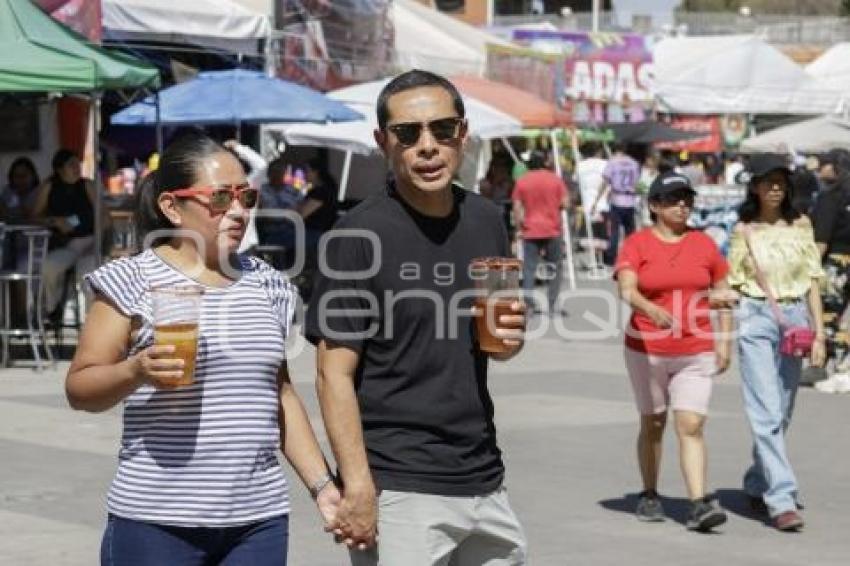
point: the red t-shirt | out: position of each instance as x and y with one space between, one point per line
541 193
676 277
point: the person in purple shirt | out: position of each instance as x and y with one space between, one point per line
618 185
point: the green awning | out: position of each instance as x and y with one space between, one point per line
38 54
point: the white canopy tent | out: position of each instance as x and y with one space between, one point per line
817 135
221 24
735 74
428 39
832 68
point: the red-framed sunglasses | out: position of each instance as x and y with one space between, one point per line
221 197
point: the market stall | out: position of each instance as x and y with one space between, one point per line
40 55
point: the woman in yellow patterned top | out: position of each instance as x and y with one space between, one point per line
782 242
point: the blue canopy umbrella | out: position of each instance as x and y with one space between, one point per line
235 96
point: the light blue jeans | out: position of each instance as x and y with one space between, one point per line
770 383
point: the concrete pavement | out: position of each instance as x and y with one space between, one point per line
566 423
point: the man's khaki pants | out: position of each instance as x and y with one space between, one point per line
416 529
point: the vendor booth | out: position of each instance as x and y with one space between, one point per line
38 56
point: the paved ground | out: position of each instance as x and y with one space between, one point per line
566 423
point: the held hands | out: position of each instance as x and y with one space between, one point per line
158 366
353 519
328 501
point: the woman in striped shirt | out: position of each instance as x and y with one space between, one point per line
198 479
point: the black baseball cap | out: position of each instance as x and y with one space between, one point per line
669 182
763 163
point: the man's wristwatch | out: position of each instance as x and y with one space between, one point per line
320 484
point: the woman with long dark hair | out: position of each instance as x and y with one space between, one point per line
775 267
198 478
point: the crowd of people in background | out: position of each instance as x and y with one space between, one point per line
607 189
791 240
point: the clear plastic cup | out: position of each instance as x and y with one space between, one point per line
176 314
497 280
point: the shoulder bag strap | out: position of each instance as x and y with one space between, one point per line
761 279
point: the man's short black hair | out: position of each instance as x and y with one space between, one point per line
410 80
537 159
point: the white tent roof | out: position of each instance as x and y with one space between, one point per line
735 74
817 135
832 68
428 39
214 23
485 122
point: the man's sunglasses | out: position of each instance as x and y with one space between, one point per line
674 198
444 130
220 198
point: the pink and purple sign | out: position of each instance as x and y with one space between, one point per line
606 67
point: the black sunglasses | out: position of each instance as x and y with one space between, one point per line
674 198
444 130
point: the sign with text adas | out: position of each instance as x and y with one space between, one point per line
598 66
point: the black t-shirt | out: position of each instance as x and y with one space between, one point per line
805 186
832 219
422 381
324 217
72 200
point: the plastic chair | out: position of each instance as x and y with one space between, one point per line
31 276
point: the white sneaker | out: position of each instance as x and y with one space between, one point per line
831 384
842 384
836 383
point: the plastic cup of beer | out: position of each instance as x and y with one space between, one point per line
176 312
497 282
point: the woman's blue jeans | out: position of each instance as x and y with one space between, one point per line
135 543
770 383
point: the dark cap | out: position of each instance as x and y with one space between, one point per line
669 182
763 163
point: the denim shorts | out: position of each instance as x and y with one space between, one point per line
135 543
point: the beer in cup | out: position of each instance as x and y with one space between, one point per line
176 313
497 281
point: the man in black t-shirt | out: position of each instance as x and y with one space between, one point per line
402 382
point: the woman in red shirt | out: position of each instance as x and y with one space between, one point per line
666 272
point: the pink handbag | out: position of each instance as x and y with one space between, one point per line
796 341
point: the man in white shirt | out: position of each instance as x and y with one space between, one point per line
589 175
